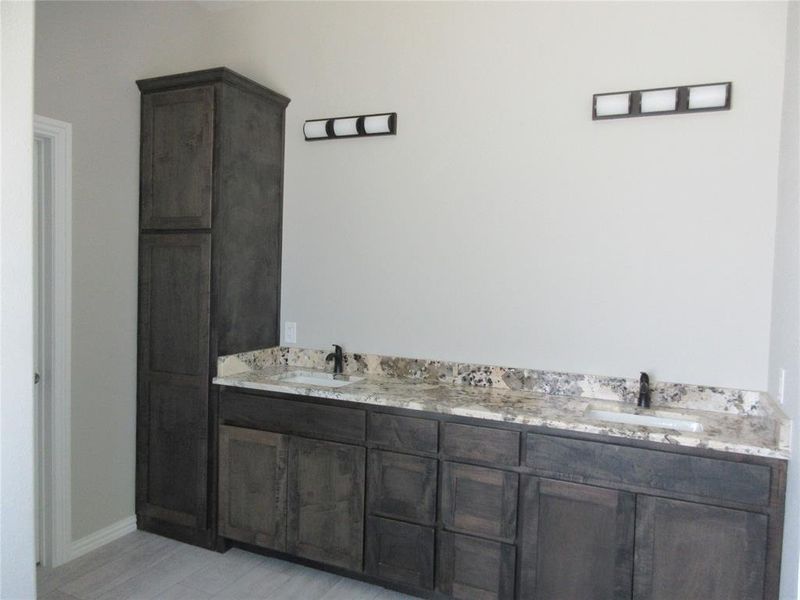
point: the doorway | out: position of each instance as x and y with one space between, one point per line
52 338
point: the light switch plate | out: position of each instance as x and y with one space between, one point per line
290 335
781 385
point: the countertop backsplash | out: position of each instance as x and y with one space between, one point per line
553 383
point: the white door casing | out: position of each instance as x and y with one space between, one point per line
55 177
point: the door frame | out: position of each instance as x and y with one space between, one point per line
55 425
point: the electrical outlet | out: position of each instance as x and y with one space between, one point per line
781 385
290 336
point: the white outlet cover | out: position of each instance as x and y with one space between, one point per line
290 334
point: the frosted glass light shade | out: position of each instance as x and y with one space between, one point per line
708 96
377 124
347 126
350 127
608 105
659 100
315 129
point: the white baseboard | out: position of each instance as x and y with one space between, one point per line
103 536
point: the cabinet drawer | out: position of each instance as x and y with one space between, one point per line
408 434
497 446
469 568
400 552
609 464
479 501
292 416
402 486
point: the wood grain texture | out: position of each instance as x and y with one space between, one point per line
470 568
402 486
176 159
172 404
698 552
484 444
248 220
400 552
212 164
479 501
326 502
407 434
252 486
576 541
291 416
615 465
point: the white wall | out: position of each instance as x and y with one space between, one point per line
502 225
785 335
17 553
88 56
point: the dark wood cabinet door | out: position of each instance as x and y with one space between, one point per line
400 552
471 568
479 501
172 451
177 159
402 486
174 296
576 541
173 411
252 486
698 552
326 502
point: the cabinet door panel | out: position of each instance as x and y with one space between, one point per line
174 289
400 552
252 484
177 159
172 417
326 502
402 486
479 501
470 568
698 552
172 450
576 541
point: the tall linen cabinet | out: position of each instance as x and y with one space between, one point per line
211 198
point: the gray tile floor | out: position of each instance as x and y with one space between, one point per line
146 566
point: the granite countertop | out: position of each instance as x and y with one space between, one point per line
764 432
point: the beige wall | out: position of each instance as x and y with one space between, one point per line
785 337
502 225
88 56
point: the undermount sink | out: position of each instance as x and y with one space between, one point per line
659 419
317 378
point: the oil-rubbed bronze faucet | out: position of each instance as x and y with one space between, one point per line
336 357
644 391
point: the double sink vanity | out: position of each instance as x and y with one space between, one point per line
441 481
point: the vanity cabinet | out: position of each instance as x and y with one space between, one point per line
408 499
471 568
576 541
252 483
400 552
698 552
211 173
326 502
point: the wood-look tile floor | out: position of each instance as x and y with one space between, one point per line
145 566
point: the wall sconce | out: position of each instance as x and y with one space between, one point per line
662 101
345 127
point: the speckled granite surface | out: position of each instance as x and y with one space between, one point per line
732 420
